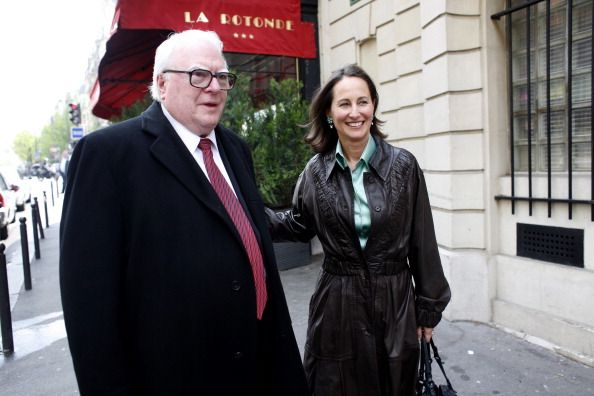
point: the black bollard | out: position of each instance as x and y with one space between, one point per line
38 219
5 315
35 232
25 251
45 208
52 185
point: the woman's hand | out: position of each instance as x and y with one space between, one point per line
427 332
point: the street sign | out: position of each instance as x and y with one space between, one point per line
77 132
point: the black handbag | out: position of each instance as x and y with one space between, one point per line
425 384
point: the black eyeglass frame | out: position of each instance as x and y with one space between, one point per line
232 78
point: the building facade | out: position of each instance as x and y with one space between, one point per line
508 168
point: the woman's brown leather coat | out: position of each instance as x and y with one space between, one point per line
361 337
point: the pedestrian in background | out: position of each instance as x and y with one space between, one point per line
168 278
63 168
367 202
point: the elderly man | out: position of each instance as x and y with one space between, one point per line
168 278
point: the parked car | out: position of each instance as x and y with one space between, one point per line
7 206
41 171
23 186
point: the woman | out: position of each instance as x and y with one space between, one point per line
367 202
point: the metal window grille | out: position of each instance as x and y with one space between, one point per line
550 90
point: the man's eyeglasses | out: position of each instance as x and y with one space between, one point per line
200 78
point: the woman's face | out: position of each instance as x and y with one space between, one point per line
352 110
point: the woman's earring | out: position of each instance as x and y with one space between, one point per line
330 122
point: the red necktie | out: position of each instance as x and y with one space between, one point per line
237 214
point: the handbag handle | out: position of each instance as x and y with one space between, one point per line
438 360
426 361
422 381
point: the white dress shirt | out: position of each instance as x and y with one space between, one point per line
191 141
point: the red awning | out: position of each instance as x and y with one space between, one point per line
271 27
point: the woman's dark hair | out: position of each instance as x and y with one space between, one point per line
321 137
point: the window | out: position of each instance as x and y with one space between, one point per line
569 80
550 86
261 69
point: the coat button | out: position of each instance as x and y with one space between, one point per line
235 285
237 355
377 209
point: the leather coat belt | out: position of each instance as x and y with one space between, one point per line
349 268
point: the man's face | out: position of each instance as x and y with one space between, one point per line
198 109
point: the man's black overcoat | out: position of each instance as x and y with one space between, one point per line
157 290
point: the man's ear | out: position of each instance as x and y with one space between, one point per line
161 84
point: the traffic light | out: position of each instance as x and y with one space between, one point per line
74 113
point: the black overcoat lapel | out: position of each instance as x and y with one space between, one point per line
170 151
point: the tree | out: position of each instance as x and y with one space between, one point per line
240 111
274 134
23 145
55 136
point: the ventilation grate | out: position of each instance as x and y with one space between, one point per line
554 244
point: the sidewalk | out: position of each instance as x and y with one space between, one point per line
480 359
41 362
